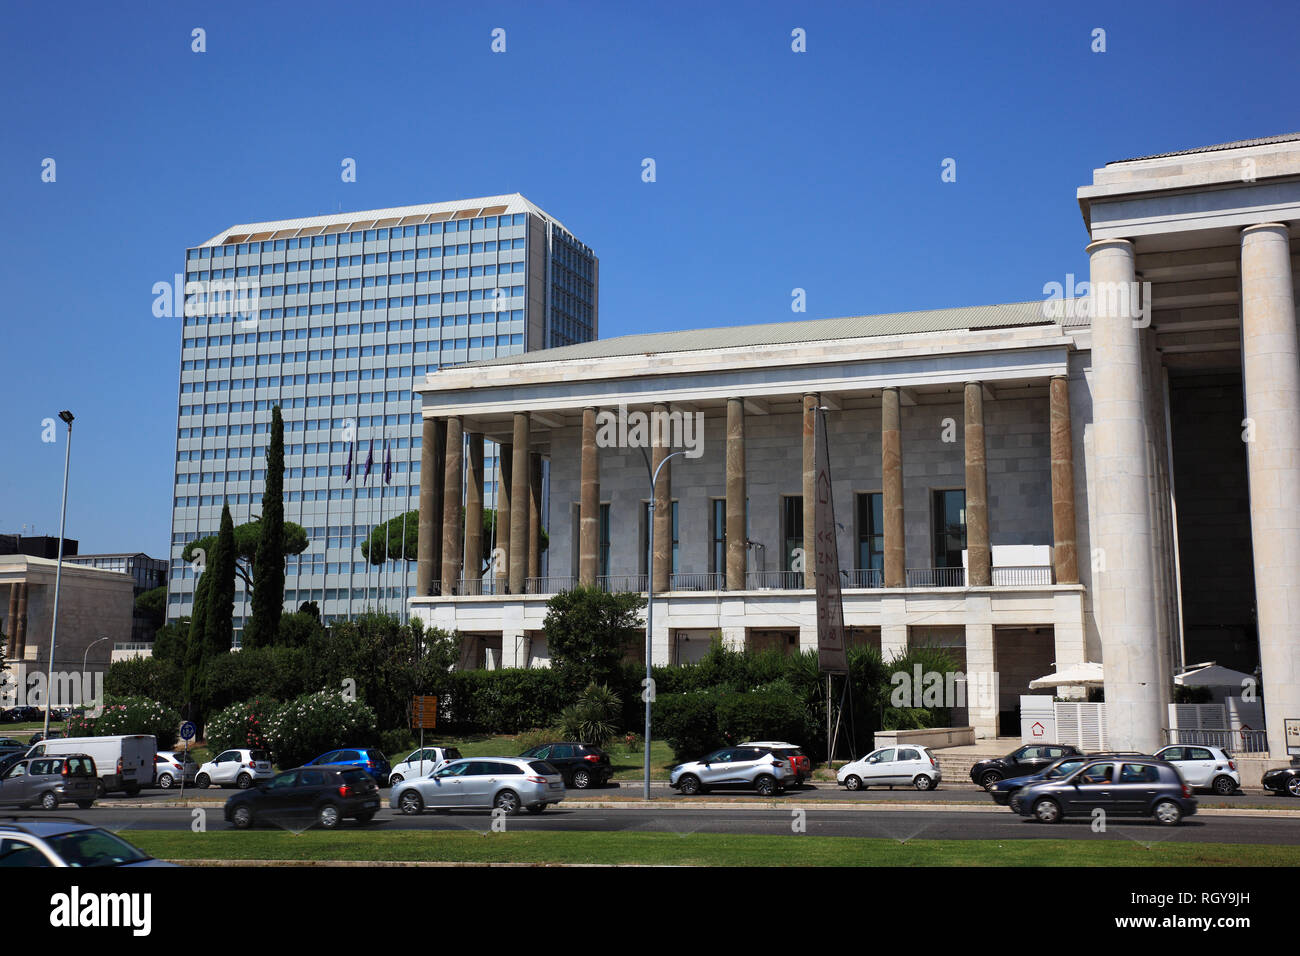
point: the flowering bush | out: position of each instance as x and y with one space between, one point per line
307 726
241 725
128 715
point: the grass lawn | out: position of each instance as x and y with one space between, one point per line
694 849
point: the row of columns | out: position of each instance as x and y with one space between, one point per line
16 623
450 544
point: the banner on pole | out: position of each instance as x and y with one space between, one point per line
831 656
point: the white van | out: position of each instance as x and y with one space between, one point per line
124 763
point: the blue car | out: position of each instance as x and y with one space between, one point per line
369 759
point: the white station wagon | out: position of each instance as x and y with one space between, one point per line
903 766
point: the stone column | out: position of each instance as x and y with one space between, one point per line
663 555
11 620
20 627
737 551
981 659
505 458
433 450
979 558
1124 586
1271 369
519 504
1064 556
534 516
452 493
891 453
589 504
474 515
811 401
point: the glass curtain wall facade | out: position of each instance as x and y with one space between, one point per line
350 311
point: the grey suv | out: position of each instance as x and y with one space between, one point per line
749 768
1124 786
49 781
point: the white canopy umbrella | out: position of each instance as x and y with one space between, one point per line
1212 675
1084 674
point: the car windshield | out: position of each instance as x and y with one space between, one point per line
94 848
1062 767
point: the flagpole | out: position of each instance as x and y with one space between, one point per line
383 493
352 528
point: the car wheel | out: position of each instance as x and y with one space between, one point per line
85 804
765 785
410 802
366 817
1047 810
1168 813
508 801
49 801
852 782
395 779
989 779
581 779
537 808
922 782
242 818
1293 786
328 816
243 781
1224 786
689 785
100 790
132 789
202 781
165 782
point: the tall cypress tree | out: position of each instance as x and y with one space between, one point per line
268 564
197 645
221 590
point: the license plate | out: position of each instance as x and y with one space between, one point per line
556 786
372 803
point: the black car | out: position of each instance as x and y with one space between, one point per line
581 765
23 715
10 745
1282 780
1027 760
322 795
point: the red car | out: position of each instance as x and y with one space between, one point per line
799 761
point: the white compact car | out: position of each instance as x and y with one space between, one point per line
1207 768
235 768
908 766
421 763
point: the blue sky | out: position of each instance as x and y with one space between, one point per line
775 170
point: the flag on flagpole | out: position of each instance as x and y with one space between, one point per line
347 469
388 464
370 459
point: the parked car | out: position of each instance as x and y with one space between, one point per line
1021 762
749 768
421 763
124 762
799 761
481 783
66 842
1006 792
235 768
9 745
909 766
1208 768
324 795
23 715
1282 780
581 765
37 737
171 767
1125 786
49 781
369 759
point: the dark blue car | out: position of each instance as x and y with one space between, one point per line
369 759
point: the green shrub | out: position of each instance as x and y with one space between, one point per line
309 725
128 715
689 722
241 725
151 677
594 718
771 712
503 701
399 741
535 738
278 673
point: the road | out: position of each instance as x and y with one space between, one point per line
895 824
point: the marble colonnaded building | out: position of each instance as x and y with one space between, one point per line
1113 478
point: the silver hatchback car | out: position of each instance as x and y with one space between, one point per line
482 783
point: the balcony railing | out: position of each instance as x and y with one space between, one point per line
936 577
774 580
697 582
863 578
549 585
1233 741
621 582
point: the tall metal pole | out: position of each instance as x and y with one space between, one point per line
58 572
650 612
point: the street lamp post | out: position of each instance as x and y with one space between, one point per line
87 654
648 694
58 571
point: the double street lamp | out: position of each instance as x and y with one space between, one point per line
58 571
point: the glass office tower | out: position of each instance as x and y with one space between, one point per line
333 318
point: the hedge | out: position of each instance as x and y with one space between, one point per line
312 724
503 701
